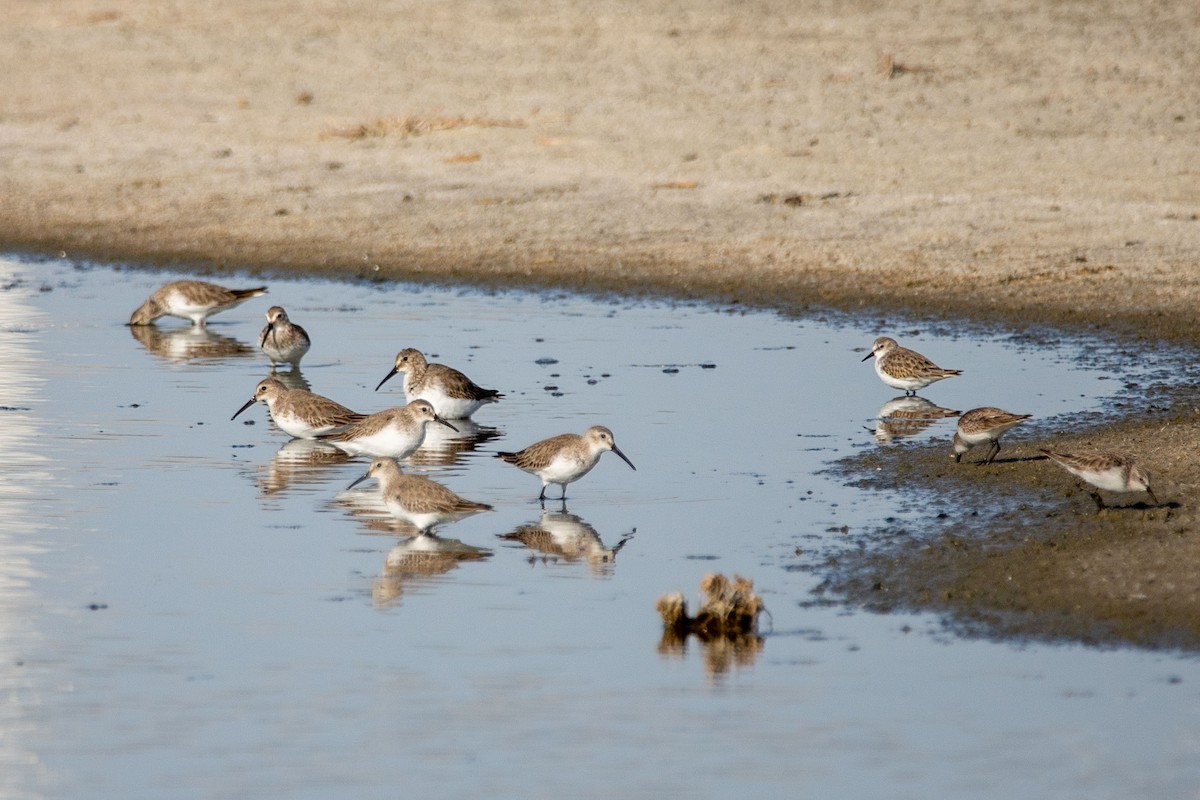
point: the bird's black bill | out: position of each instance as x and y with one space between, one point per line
436 418
386 378
623 458
249 403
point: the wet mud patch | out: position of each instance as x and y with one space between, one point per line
1018 550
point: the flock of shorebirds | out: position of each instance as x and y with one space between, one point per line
906 369
436 394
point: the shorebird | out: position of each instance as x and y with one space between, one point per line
565 458
282 340
981 425
905 369
298 412
394 432
1111 471
453 394
194 300
415 499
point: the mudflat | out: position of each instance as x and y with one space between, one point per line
1017 162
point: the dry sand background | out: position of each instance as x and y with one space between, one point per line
1017 161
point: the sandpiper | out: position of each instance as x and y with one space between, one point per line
981 425
905 369
282 340
298 412
194 300
394 432
1112 471
453 394
565 458
415 499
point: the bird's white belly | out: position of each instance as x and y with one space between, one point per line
446 406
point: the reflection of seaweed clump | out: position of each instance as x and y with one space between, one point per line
730 609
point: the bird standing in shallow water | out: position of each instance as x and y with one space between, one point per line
394 432
1111 471
417 500
282 340
194 300
565 458
905 369
453 394
299 412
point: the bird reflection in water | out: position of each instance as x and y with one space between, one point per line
443 447
906 416
419 561
563 536
292 379
298 464
193 343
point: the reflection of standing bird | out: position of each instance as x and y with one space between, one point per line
567 536
907 415
565 458
394 432
905 369
282 340
416 499
981 425
298 412
186 343
453 394
194 300
1111 471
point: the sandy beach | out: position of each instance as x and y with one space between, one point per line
1017 162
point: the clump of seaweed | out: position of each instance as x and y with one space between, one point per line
726 623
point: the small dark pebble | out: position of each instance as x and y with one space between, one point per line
550 388
708 366
545 362
248 422
671 370
97 606
241 446
592 381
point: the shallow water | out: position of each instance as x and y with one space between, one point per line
194 606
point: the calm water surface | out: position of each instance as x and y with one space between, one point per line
195 607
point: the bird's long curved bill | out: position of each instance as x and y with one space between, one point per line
359 480
387 378
249 403
624 458
437 418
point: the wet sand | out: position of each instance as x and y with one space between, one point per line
1023 164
